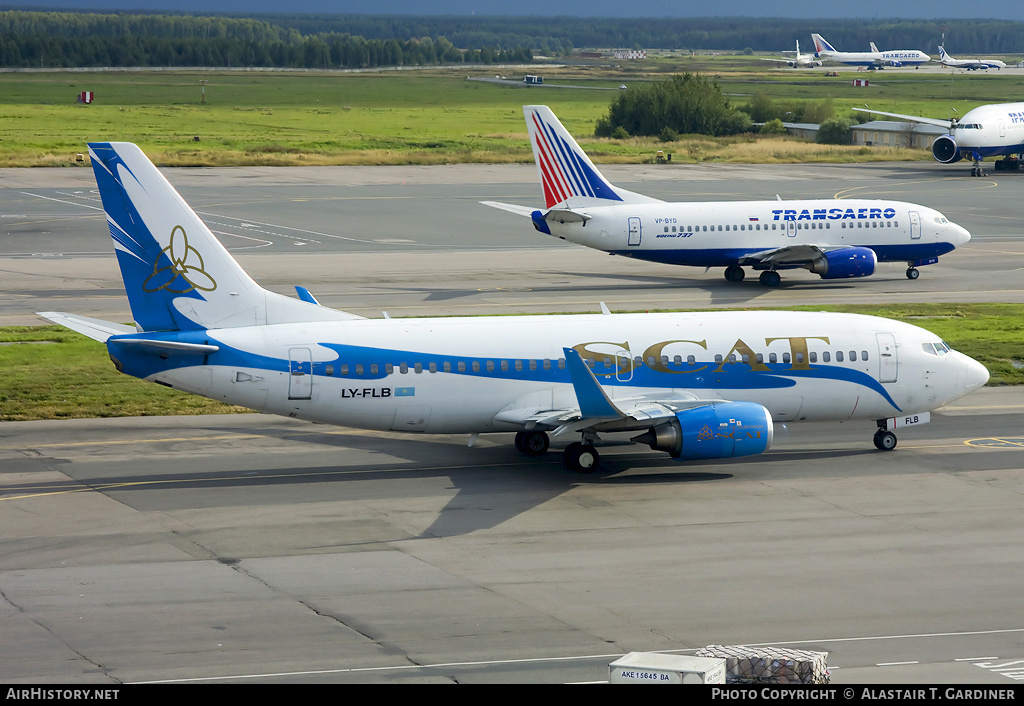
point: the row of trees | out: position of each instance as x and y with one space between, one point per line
692 104
555 35
92 39
52 40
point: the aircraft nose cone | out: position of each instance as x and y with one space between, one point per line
962 235
975 375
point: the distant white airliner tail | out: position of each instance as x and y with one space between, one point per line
567 175
177 275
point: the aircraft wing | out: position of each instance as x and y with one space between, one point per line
914 118
598 411
790 255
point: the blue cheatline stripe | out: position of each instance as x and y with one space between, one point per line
703 376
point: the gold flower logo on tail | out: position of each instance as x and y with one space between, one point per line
186 264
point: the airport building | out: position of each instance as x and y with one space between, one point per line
892 133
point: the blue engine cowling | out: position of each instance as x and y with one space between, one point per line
945 150
847 262
725 430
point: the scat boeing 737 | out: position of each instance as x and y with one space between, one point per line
694 385
830 237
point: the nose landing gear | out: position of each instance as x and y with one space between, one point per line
885 440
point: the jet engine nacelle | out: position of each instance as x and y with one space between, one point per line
848 262
945 150
724 430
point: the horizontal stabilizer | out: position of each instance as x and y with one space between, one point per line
170 347
96 329
510 207
565 215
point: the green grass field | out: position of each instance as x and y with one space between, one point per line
48 372
421 117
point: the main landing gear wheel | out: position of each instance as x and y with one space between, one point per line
734 273
913 273
532 443
885 440
580 458
770 278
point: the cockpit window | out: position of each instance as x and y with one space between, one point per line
941 220
937 348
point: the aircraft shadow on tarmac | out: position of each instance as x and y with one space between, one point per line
722 292
493 484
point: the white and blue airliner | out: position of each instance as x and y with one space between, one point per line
832 238
693 385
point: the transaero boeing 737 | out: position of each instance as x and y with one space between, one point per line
832 238
693 385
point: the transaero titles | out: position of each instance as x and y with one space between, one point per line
831 214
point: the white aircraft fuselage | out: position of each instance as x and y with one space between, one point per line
874 59
988 131
716 234
491 374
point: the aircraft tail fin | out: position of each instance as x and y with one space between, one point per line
176 273
820 45
567 175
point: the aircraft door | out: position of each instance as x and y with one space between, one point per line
634 230
623 366
888 362
300 374
915 225
790 229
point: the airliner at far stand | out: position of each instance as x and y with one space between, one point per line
697 386
873 59
969 64
798 60
832 238
993 130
